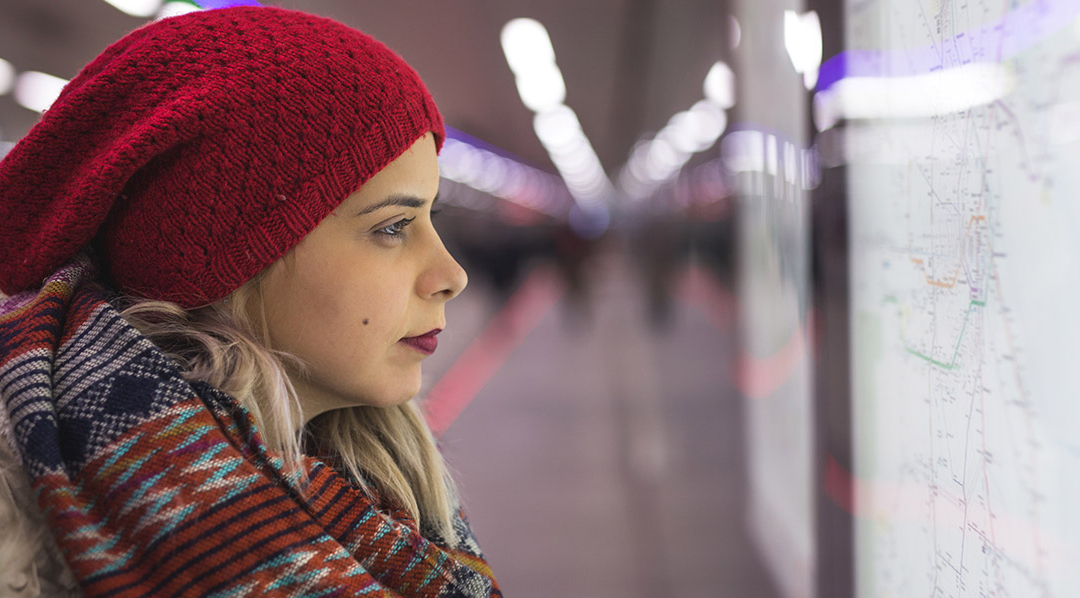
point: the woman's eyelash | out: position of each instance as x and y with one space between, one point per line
396 229
435 212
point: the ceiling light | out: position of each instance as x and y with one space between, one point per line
37 91
587 181
632 185
663 160
681 132
573 164
492 175
744 151
175 8
592 190
802 39
540 84
542 89
137 8
916 96
7 76
711 122
558 127
720 85
636 164
526 44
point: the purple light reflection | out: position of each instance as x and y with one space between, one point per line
995 41
212 4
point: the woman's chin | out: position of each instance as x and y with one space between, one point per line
392 397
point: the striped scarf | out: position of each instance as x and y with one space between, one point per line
154 486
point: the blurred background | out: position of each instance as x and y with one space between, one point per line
768 298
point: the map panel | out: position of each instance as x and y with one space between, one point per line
965 257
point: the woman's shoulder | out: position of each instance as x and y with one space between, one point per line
30 561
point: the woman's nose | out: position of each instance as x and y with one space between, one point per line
445 278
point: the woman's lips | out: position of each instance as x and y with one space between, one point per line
425 343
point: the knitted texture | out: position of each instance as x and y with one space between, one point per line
153 486
198 149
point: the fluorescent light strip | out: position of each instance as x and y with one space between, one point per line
655 161
761 152
508 179
916 96
37 91
719 86
175 8
802 40
137 8
540 84
7 77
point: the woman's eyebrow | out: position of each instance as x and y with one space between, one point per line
404 200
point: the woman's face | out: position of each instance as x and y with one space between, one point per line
372 273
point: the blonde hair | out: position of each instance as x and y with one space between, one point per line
227 345
31 563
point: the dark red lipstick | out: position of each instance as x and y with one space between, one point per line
425 343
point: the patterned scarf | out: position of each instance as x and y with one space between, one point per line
153 486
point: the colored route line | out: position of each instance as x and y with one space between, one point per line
952 283
951 365
504 333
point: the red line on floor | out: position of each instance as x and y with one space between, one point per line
759 377
755 377
698 286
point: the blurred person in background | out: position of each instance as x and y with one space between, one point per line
573 254
224 277
657 258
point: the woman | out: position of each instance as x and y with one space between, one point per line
224 277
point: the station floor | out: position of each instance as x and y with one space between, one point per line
598 455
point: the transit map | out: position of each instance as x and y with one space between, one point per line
964 222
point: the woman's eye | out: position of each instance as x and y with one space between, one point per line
397 229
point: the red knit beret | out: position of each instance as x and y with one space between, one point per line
198 149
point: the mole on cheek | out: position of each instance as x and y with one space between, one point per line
366 321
